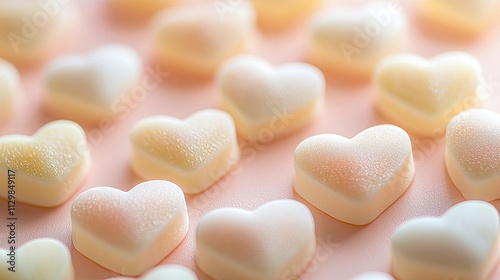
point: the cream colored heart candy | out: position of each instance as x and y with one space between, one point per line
462 244
92 87
350 43
276 14
129 232
34 30
41 259
165 272
473 154
10 85
267 102
354 180
462 17
194 153
196 40
140 9
373 276
423 95
47 168
265 244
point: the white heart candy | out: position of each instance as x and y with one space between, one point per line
264 244
350 43
461 17
195 40
33 30
47 168
41 259
373 276
462 244
354 180
129 232
267 101
423 95
194 153
89 88
473 154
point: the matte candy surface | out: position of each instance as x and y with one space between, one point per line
9 88
462 244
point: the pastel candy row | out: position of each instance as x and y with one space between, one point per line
196 39
234 243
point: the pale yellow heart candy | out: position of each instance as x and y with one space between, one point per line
40 259
354 180
422 95
165 272
196 40
9 88
129 232
267 102
265 244
461 17
89 88
473 154
350 43
461 244
276 14
194 153
33 30
47 168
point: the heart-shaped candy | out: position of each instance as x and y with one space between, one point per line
460 17
462 244
350 43
91 87
277 14
267 102
41 259
354 180
46 169
33 30
129 232
133 9
196 40
194 153
473 154
422 96
9 88
264 244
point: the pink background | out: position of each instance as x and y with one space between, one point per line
265 174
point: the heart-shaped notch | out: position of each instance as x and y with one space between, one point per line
350 43
165 272
47 168
265 244
129 232
461 244
267 102
473 154
196 40
94 86
194 153
423 95
34 30
41 259
462 19
354 180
